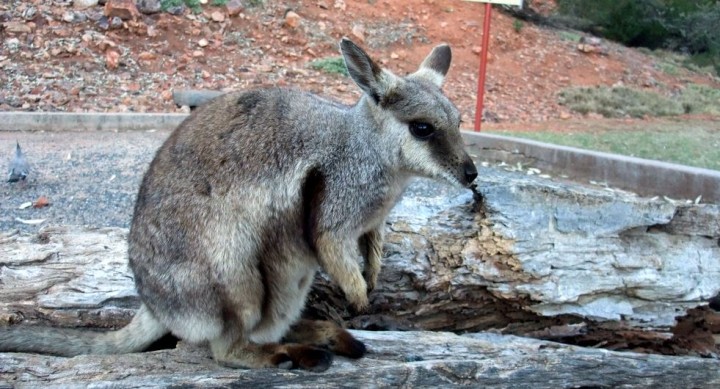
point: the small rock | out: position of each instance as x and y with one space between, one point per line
103 23
203 42
112 59
292 19
176 10
565 115
123 9
149 6
94 15
134 87
476 50
198 53
649 82
358 31
234 7
29 13
68 16
116 22
12 44
147 56
17 27
83 4
394 55
218 16
166 95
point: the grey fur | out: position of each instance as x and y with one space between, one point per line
255 192
19 168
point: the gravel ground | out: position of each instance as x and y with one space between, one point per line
90 178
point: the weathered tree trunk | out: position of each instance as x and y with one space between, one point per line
395 359
526 255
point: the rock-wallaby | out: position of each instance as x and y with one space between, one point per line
255 192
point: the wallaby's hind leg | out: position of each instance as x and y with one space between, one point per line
236 351
328 335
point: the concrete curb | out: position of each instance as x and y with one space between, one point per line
68 121
645 177
642 176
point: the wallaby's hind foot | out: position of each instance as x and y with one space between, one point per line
271 355
327 335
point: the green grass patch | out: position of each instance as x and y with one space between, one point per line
668 68
701 99
686 144
622 102
219 3
331 65
618 102
570 36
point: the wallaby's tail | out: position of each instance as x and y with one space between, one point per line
142 331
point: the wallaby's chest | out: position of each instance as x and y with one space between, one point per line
387 196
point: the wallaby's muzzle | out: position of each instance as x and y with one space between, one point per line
470 171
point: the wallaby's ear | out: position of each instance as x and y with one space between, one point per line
436 65
363 70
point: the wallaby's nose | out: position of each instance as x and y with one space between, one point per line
470 171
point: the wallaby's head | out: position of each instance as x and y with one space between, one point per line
413 116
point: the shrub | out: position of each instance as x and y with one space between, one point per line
680 25
194 5
518 25
331 65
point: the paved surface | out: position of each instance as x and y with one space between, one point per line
90 178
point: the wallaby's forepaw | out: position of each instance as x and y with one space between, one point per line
359 301
356 293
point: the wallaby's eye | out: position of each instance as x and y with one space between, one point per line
422 130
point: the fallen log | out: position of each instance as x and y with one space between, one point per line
525 255
395 359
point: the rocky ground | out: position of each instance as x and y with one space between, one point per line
80 56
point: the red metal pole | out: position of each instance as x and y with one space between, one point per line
483 66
